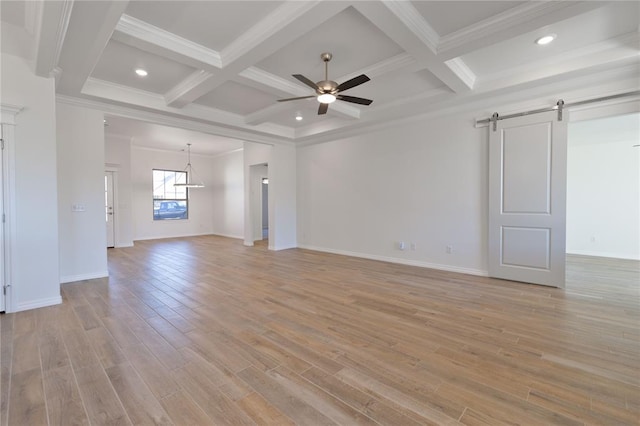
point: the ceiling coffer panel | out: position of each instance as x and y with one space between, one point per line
119 62
213 24
237 98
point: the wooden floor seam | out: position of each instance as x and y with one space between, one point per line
206 331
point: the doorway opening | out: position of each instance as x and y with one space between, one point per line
109 208
259 175
265 208
603 187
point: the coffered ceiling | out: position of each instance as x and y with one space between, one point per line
220 66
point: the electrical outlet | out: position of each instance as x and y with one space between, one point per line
413 246
592 239
401 245
449 249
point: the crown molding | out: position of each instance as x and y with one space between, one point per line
32 15
63 25
464 73
8 113
51 33
175 96
522 16
266 78
389 65
572 87
415 22
610 53
141 30
169 120
123 94
284 15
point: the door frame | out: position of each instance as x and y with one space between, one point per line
116 232
7 124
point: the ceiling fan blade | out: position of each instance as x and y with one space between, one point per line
355 100
295 99
306 81
355 81
322 109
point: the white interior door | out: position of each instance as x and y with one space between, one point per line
527 199
3 275
108 201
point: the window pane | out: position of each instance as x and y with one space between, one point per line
170 202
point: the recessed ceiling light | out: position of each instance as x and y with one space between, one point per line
546 39
141 72
299 117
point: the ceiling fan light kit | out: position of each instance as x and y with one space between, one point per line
327 91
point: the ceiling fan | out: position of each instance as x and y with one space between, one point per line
327 91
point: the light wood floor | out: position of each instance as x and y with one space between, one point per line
206 331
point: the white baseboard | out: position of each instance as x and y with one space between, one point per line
124 245
81 277
438 266
235 237
162 237
604 254
38 303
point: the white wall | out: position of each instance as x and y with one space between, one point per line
227 204
603 188
34 264
118 159
83 243
282 190
423 183
200 221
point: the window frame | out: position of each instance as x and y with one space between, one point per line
179 200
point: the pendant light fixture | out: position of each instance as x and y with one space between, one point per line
191 181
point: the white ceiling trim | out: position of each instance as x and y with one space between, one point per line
50 35
291 20
458 66
101 20
119 93
411 41
264 78
615 52
175 97
166 120
263 115
415 22
482 105
143 31
283 16
523 18
396 63
32 15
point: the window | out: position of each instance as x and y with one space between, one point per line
169 202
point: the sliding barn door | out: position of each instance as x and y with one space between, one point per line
527 199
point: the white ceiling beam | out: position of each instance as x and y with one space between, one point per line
50 34
508 24
87 36
288 22
101 89
145 36
401 22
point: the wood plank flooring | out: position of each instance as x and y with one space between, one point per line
204 330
